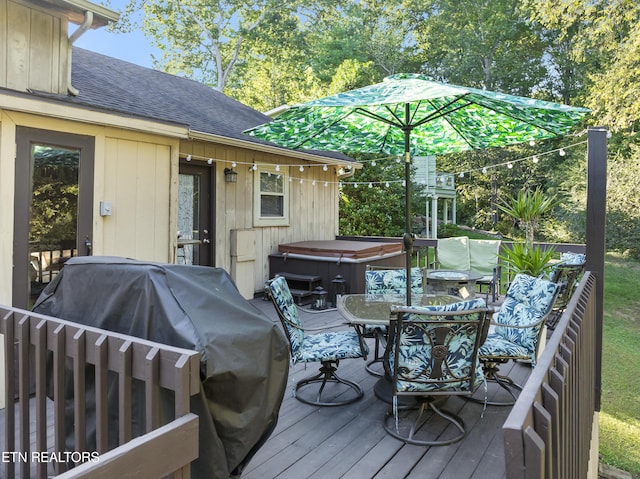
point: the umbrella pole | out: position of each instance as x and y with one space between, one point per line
408 237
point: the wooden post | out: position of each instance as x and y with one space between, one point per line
596 223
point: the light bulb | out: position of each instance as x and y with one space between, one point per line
188 157
254 167
562 152
509 165
532 143
233 165
277 167
484 170
461 174
210 161
370 185
301 168
535 159
325 168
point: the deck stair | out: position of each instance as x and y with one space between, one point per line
301 286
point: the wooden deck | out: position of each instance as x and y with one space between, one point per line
349 441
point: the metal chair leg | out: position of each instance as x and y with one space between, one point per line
408 430
326 375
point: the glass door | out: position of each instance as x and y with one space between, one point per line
54 191
194 215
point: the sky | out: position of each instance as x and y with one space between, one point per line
131 47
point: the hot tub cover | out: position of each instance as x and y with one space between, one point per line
244 354
340 248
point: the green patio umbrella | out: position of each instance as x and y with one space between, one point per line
409 114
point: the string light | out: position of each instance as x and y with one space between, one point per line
325 167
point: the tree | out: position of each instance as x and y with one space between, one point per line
205 40
372 202
482 44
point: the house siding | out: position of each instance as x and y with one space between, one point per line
34 50
313 209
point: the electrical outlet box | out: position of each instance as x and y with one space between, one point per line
106 209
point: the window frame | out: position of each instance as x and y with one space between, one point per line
258 219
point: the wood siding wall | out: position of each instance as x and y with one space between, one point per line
136 172
313 209
34 49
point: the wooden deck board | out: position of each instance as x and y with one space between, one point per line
350 442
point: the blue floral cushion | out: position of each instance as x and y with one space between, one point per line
429 361
527 302
329 346
281 295
573 258
392 281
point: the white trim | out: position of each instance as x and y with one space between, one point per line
258 219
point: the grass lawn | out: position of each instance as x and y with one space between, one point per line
620 414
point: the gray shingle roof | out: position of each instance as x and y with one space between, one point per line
123 87
107 83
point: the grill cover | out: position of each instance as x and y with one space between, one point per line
244 354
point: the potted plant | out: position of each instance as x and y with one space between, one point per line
528 208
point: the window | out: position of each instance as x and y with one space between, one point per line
271 203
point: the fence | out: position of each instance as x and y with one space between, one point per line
549 431
59 374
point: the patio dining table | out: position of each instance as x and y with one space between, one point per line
373 311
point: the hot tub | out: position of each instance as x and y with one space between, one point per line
330 258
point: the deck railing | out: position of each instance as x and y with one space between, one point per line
549 432
73 406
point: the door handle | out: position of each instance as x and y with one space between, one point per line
87 244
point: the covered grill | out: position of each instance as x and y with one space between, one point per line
244 354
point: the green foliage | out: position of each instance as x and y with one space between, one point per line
623 203
528 207
533 260
378 209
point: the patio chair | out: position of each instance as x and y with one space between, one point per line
327 348
566 275
452 253
434 355
516 331
387 281
483 258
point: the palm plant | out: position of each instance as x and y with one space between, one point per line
528 207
